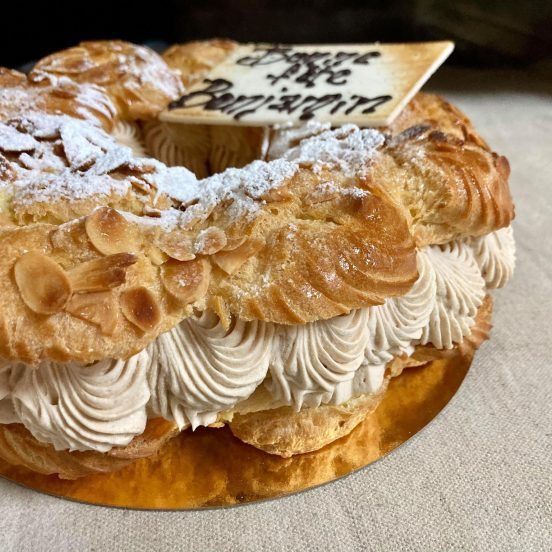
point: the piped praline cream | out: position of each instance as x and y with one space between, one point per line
130 135
198 370
76 407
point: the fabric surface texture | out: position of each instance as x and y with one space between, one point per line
478 478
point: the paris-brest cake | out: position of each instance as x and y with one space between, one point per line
156 277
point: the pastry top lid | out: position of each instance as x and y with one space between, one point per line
103 251
266 84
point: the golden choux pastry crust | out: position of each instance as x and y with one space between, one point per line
195 59
97 275
293 239
20 448
434 163
63 299
286 432
448 187
135 77
19 96
431 110
285 265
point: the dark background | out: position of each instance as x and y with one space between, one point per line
487 33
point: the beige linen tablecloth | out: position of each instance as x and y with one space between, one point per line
477 478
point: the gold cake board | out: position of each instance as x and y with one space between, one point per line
211 468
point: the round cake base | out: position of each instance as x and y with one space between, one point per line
212 468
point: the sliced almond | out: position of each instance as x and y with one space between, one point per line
177 245
71 237
210 241
231 261
141 308
155 255
43 284
187 281
98 308
112 233
233 243
219 306
101 274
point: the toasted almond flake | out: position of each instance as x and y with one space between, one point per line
101 274
141 308
155 255
231 261
177 245
219 306
98 308
210 240
70 237
110 232
234 243
187 281
43 284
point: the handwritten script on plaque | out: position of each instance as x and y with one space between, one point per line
260 84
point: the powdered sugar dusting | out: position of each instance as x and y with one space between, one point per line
111 160
329 189
62 158
14 141
286 137
167 220
134 68
253 180
348 148
43 126
242 189
88 101
44 177
92 98
176 182
43 187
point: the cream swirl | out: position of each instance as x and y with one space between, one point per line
199 369
310 360
495 255
180 145
333 360
75 407
460 290
368 380
130 135
395 325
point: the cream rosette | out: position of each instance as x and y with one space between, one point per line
75 407
200 369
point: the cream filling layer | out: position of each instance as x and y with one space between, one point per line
130 135
495 255
199 370
76 407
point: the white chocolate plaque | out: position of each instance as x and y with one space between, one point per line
261 84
